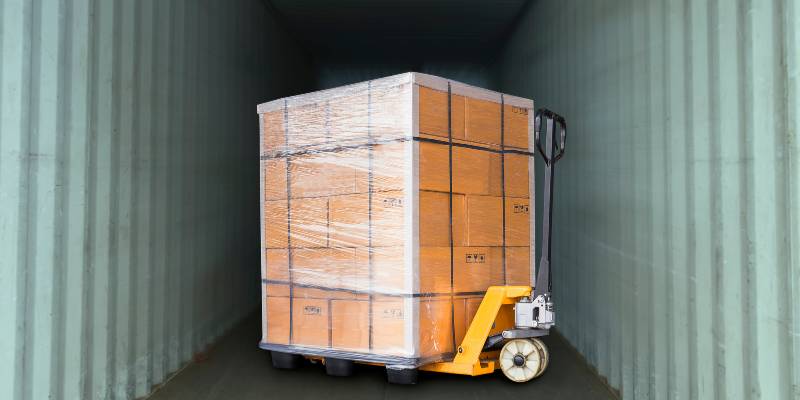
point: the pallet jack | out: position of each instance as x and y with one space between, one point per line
504 333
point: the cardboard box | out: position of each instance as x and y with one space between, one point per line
518 266
482 121
389 324
434 210
350 325
274 186
434 270
433 113
329 173
484 221
340 268
475 172
307 125
518 221
277 265
388 218
477 268
434 173
517 178
516 130
390 273
272 137
310 322
349 220
276 224
388 166
277 320
309 222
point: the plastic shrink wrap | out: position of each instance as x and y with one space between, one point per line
387 209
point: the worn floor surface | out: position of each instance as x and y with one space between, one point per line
237 369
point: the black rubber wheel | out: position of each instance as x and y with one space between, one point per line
338 367
285 360
402 376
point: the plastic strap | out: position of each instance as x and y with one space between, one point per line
503 177
367 292
450 176
288 218
369 209
283 154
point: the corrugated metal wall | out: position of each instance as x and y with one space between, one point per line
677 239
128 170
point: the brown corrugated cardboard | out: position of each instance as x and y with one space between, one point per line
274 186
276 224
518 265
434 269
277 264
433 113
310 325
434 227
388 324
309 222
482 121
515 130
349 220
477 268
517 179
277 325
273 138
434 173
350 325
343 172
484 224
518 222
387 218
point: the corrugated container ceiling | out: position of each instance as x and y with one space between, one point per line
129 175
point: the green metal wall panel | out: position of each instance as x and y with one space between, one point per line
676 244
128 225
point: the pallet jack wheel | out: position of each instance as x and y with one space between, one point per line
545 355
521 360
402 376
338 367
283 360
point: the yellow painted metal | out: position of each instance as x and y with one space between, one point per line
468 356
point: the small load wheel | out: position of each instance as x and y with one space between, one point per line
523 359
402 376
283 360
338 367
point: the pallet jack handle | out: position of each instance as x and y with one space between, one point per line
548 122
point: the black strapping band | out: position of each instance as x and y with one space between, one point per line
369 209
340 148
450 176
288 219
374 292
503 178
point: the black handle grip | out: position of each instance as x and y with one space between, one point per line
545 117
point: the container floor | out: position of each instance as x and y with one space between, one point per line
237 369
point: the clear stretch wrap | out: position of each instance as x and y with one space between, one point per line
387 209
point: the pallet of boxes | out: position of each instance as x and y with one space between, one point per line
387 209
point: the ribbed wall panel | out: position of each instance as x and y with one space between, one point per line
128 225
676 237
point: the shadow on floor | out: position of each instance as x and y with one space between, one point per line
237 369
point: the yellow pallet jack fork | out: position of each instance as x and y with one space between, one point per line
523 356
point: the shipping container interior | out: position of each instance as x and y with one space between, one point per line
129 175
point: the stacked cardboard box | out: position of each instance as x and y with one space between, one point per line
388 208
